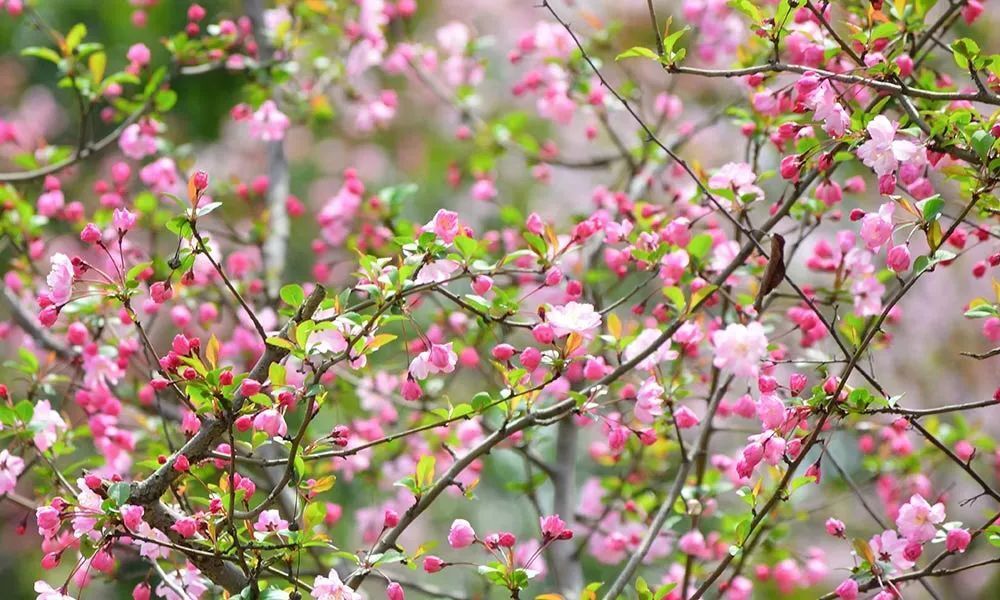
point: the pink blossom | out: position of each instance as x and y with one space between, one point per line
51 202
889 547
444 225
271 422
394 591
268 123
739 348
440 358
642 342
185 526
437 272
835 527
685 417
649 402
11 467
123 219
132 516
270 521
883 152
867 296
137 142
484 189
847 590
138 54
574 317
47 592
554 528
160 176
693 543
917 519
47 425
739 177
957 540
461 535
898 258
876 228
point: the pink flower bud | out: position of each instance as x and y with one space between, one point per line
835 527
958 540
530 358
461 534
200 180
543 333
394 592
433 564
847 590
411 389
249 387
390 519
90 234
141 592
502 352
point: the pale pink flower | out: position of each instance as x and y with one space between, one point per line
437 271
917 519
883 152
160 176
739 348
453 38
648 402
867 296
332 588
461 534
47 592
889 547
60 279
876 228
554 528
270 521
152 545
574 317
270 421
132 516
645 339
123 219
11 467
185 526
484 189
957 540
137 142
823 101
440 358
46 424
444 225
51 202
737 176
268 123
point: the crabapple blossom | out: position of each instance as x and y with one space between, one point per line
739 348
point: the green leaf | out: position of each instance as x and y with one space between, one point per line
699 245
676 297
425 471
43 53
638 52
165 100
982 141
671 40
748 8
292 294
280 342
75 36
932 207
119 493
